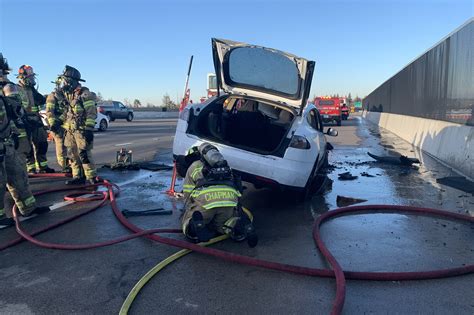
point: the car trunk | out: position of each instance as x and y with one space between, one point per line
244 123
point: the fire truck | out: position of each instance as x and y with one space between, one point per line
329 108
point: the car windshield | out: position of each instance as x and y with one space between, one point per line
263 69
326 102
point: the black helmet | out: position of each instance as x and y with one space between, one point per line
72 73
4 68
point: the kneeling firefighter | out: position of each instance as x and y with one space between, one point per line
212 195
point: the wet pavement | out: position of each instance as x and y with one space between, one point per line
40 281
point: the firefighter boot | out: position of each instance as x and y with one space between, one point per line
5 221
38 210
47 170
76 181
198 229
244 229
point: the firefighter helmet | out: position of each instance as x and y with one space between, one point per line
25 71
71 73
4 68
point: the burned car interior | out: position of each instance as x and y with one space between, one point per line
245 123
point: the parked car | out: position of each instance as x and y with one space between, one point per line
101 122
261 123
115 110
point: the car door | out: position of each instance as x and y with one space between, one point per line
117 111
123 110
315 121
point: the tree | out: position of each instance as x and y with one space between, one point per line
136 103
168 103
100 98
349 98
126 101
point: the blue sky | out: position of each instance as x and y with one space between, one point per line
141 49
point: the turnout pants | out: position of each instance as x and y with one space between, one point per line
36 159
79 151
61 153
24 149
216 218
14 177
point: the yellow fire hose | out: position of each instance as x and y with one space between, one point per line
152 272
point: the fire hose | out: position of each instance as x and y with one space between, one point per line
337 272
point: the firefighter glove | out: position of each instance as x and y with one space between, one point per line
89 136
16 141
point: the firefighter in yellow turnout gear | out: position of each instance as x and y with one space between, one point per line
212 195
55 108
12 171
32 101
79 121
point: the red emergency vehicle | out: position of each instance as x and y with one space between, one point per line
329 108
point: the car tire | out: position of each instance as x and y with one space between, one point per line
103 125
129 117
109 116
305 193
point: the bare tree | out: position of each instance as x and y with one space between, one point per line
99 96
168 103
137 103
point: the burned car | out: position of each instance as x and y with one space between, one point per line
260 120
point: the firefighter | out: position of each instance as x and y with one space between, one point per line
79 122
36 161
212 194
55 107
12 171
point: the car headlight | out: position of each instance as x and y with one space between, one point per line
299 142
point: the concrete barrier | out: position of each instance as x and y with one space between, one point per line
154 114
451 143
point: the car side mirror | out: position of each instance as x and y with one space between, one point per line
332 132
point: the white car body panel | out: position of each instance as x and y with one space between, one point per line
292 170
295 166
99 118
222 49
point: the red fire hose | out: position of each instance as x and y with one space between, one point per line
337 271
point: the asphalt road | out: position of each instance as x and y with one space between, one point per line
39 281
145 137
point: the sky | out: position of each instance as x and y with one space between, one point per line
140 49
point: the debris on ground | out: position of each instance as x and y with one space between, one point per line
137 166
398 160
457 182
158 211
365 174
121 167
342 201
155 166
347 176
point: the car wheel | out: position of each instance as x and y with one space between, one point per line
129 117
305 193
103 125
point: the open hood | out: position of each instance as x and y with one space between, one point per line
270 74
